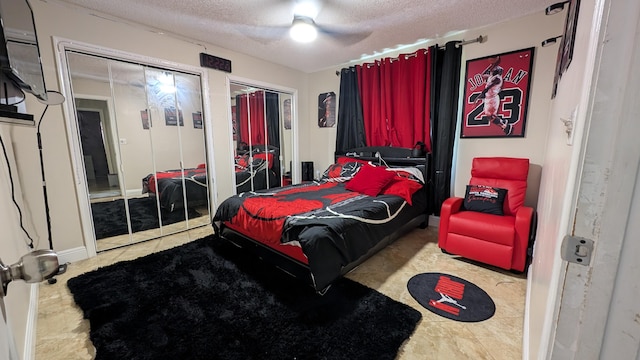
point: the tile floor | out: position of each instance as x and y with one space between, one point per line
63 334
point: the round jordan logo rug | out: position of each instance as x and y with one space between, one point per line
451 297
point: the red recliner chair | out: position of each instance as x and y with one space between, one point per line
498 240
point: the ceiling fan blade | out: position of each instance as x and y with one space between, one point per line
266 34
343 36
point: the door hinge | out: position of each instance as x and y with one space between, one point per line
577 249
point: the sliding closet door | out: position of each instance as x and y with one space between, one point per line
261 120
141 133
192 141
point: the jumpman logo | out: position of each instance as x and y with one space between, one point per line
444 298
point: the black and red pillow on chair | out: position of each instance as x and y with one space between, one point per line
486 199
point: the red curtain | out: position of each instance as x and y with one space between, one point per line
395 94
252 118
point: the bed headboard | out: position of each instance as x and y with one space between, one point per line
395 156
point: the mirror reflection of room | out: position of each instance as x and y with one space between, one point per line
261 122
141 133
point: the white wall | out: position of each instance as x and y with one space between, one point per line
557 186
514 35
13 242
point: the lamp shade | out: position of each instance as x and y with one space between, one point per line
53 98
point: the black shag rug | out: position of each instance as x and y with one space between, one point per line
208 300
110 217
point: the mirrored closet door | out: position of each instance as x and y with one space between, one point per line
262 136
141 134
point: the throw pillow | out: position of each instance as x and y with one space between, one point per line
370 180
341 172
484 199
403 187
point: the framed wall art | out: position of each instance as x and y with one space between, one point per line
144 116
197 120
327 109
496 95
565 51
171 118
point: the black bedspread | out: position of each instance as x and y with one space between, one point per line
169 185
334 227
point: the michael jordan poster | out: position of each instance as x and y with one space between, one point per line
496 95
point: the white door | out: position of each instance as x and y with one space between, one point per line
599 312
7 344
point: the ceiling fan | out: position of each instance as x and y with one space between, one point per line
305 29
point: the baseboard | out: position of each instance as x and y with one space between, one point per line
525 331
434 221
32 324
72 255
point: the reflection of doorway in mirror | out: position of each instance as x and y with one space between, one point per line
97 143
326 109
287 113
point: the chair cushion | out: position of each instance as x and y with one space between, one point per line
487 227
485 199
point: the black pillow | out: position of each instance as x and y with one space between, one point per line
484 199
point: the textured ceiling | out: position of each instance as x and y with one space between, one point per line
259 27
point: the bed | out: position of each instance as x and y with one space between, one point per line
257 169
168 187
321 230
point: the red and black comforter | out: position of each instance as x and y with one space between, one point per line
169 185
256 173
333 226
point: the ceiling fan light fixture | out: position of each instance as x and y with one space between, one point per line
303 30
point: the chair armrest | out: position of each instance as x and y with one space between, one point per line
450 206
524 216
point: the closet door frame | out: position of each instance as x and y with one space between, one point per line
295 167
62 45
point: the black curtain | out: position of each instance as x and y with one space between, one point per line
350 128
446 87
272 112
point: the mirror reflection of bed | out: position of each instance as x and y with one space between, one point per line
141 135
261 122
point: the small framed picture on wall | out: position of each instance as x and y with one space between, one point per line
171 117
496 95
197 120
144 116
327 109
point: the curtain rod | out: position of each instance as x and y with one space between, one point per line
480 39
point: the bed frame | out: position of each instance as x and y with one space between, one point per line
384 155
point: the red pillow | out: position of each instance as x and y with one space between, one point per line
370 180
402 187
